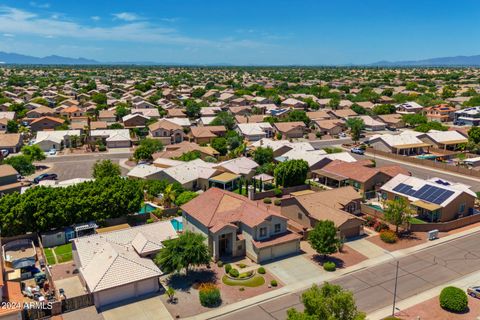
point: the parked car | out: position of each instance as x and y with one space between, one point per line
474 291
45 176
4 152
357 151
342 135
52 152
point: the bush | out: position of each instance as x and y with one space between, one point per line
234 273
261 270
391 318
379 226
277 192
102 147
329 266
219 263
228 267
209 295
267 200
388 236
245 274
318 134
453 299
370 221
273 283
149 220
277 202
241 265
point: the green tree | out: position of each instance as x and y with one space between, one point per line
147 148
12 126
185 197
263 155
474 135
358 109
105 168
298 115
397 212
224 119
383 109
121 110
414 119
356 126
431 125
329 302
220 144
291 173
188 250
192 108
189 156
169 195
22 164
33 152
323 238
99 98
198 92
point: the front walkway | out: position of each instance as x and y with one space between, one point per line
293 270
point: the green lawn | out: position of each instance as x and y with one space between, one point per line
50 257
252 282
64 253
414 220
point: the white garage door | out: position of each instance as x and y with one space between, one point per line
113 295
118 144
147 286
278 251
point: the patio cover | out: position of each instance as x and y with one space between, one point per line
426 205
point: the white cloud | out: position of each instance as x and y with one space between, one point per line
126 16
8 35
40 5
20 22
170 20
95 18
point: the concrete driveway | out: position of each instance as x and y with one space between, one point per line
293 270
150 308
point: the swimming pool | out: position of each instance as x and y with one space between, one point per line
147 208
376 207
177 224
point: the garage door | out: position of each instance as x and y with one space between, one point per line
118 144
351 232
147 286
278 251
113 295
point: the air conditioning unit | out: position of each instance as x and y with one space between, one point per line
432 235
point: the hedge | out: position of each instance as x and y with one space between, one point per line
453 299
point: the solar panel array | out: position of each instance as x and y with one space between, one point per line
427 193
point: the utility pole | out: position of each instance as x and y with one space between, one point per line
395 289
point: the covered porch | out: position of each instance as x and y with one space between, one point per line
411 149
428 211
329 179
225 181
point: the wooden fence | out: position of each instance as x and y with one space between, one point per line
76 303
427 163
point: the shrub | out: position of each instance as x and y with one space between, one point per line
318 134
219 263
277 202
391 318
277 192
245 274
209 295
329 266
228 267
388 236
268 186
149 220
453 299
234 273
380 226
241 289
273 283
267 200
261 270
102 148
241 265
370 221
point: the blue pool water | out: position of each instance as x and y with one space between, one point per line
147 208
177 224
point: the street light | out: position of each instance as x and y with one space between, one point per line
396 282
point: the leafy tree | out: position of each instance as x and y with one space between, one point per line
99 98
189 249
414 119
263 155
397 212
383 109
474 134
41 101
192 108
329 302
298 115
431 125
147 148
356 126
115 125
12 126
189 156
358 109
291 173
224 119
121 110
33 152
198 92
169 195
21 163
105 168
323 238
185 197
220 144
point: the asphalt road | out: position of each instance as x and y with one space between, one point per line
373 287
80 166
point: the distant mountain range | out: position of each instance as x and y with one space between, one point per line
15 58
461 61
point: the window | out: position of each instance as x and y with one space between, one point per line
300 215
263 232
462 207
278 228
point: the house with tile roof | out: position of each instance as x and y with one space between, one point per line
235 226
116 266
166 131
290 130
338 205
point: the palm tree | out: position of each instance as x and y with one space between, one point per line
169 195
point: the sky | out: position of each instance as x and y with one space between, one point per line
261 32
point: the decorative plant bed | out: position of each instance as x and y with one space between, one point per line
242 276
254 281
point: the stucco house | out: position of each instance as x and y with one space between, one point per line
167 131
288 130
235 226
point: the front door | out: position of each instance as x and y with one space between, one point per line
223 244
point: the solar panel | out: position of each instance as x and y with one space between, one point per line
423 192
442 197
433 195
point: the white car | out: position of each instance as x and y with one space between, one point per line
52 152
342 135
4 152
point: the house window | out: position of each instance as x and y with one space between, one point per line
239 247
263 232
300 215
278 228
462 207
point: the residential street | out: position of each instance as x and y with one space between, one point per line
373 287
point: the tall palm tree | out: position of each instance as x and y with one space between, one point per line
169 195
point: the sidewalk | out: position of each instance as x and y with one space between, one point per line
303 285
